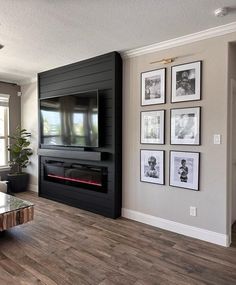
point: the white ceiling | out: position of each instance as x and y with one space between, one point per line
42 34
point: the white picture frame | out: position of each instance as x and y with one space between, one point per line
153 87
152 127
152 166
184 169
185 126
186 82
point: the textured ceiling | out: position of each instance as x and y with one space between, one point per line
42 34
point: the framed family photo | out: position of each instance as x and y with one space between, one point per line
152 166
153 87
152 127
184 169
185 126
186 82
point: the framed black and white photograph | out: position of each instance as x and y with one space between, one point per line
153 87
185 126
186 82
152 127
184 169
152 166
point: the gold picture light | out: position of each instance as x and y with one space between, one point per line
170 59
164 60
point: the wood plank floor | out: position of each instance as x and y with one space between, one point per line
65 245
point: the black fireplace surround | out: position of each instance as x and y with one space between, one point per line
87 178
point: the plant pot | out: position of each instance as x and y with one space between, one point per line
18 182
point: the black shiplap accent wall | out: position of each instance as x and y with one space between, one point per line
105 74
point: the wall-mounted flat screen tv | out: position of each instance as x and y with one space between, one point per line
70 121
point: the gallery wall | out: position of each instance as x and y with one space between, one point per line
172 203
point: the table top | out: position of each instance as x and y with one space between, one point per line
10 203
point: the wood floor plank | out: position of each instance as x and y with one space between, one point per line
69 246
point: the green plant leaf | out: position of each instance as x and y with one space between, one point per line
19 149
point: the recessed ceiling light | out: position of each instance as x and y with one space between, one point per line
1 46
221 12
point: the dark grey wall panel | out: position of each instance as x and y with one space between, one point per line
85 80
103 59
82 155
105 74
66 90
77 73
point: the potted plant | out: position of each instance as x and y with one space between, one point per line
19 158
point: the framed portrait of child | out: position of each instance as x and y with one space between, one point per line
152 166
184 169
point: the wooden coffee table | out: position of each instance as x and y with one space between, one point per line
14 211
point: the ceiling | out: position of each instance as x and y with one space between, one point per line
42 34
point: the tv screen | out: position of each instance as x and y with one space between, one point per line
70 120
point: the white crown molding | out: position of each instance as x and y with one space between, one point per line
202 35
9 81
194 232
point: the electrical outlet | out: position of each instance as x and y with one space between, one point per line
217 139
193 211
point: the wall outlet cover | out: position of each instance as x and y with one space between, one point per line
193 211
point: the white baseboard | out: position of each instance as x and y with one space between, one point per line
33 187
198 233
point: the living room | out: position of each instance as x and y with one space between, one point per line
159 145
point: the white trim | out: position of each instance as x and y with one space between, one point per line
33 187
198 233
202 35
5 168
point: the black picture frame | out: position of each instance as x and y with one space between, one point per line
146 157
188 78
152 140
151 75
179 182
187 126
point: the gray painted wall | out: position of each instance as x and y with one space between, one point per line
232 131
14 110
169 202
29 120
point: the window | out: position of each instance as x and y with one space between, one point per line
4 129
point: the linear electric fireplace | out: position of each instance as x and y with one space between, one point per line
76 174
